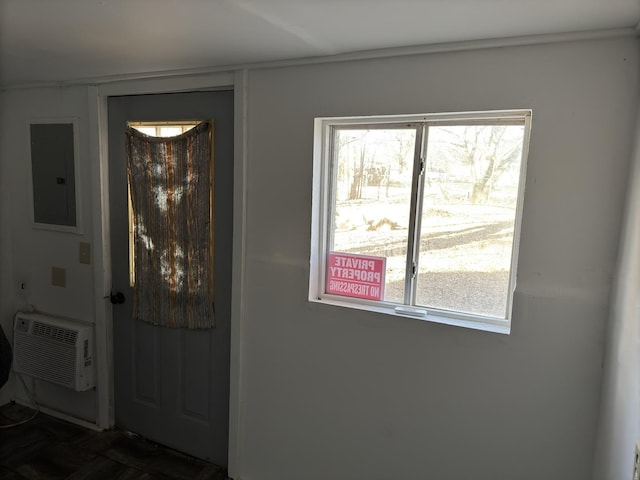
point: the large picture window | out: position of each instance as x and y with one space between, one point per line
419 215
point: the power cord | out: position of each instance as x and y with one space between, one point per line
33 405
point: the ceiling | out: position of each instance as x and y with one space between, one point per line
60 40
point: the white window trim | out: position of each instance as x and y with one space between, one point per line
321 198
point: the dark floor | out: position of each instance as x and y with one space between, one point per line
52 449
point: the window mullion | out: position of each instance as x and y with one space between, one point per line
417 220
414 216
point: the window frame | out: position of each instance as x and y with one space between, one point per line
323 204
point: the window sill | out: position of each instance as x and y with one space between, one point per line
474 322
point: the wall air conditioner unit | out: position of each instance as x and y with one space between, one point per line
54 349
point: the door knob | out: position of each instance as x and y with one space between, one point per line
117 298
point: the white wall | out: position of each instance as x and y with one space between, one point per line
6 292
33 252
620 412
331 393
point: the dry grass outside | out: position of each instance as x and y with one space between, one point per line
465 250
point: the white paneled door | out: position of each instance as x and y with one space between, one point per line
172 385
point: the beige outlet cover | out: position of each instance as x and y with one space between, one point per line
58 277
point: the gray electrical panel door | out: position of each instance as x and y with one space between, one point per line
53 174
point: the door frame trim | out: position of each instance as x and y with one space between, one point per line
98 96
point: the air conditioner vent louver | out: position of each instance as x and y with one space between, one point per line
55 333
53 349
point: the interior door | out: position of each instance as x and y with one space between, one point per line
172 385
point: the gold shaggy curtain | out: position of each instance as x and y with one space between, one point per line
171 188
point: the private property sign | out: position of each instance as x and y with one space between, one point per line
358 276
